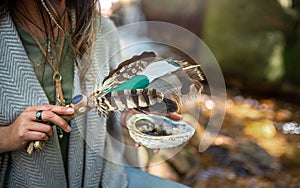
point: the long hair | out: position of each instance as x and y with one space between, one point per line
82 15
83 22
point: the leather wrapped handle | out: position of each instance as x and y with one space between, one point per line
81 105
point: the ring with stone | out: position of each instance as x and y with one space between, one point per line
38 115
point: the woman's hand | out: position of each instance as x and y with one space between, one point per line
174 116
28 128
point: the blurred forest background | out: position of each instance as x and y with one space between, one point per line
257 45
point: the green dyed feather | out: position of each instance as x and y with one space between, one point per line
136 82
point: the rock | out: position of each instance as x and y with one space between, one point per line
253 153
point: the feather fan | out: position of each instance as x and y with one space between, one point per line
137 82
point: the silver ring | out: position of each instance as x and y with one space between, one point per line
38 115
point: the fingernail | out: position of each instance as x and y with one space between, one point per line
70 110
137 145
69 129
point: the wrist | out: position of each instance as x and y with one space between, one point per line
4 139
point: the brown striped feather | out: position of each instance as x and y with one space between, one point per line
120 100
130 68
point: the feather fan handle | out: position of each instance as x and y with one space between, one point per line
120 100
130 68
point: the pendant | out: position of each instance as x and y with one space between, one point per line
60 101
59 94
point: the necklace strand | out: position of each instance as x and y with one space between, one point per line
52 17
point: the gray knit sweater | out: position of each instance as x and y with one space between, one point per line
94 156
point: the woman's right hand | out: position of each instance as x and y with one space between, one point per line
27 127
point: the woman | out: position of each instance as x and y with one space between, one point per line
42 39
51 51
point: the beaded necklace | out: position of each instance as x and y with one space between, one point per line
51 16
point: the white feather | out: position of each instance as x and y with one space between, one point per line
158 69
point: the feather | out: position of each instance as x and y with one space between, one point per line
166 106
147 75
138 82
128 69
183 85
158 69
119 100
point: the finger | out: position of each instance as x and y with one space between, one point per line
41 127
53 108
133 111
49 116
35 135
174 116
137 145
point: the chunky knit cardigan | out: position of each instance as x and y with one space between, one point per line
94 156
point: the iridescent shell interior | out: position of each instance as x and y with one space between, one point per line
158 132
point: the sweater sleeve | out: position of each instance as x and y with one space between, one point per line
108 56
4 164
113 42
